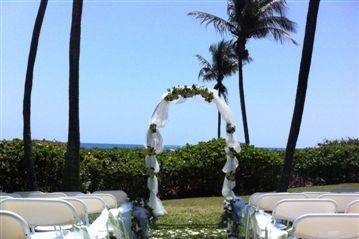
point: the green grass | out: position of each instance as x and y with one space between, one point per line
201 217
326 188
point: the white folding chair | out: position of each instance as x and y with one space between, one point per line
291 209
25 194
72 193
327 226
46 195
109 199
13 226
46 214
96 206
80 207
12 195
353 207
120 196
267 201
264 204
254 197
314 194
342 199
93 204
288 210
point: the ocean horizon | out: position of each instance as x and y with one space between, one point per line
139 146
123 146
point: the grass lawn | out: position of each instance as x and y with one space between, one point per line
201 217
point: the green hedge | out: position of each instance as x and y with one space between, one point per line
192 171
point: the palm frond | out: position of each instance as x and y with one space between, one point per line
221 25
206 74
278 22
269 7
277 33
203 61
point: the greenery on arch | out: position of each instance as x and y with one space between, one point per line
187 92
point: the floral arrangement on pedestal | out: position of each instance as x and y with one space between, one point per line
154 142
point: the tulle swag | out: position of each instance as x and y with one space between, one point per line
154 142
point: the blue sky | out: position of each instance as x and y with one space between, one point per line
132 51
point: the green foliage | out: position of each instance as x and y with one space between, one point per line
259 170
192 171
48 159
188 92
329 163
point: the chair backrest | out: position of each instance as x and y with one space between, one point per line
4 197
254 198
342 199
25 194
120 195
314 194
46 195
327 226
109 199
13 226
41 212
94 204
268 201
72 193
12 195
291 209
80 206
353 207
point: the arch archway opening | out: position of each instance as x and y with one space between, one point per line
154 142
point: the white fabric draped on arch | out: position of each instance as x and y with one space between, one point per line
154 142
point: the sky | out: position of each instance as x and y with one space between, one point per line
132 51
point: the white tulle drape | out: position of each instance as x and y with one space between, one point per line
160 115
155 141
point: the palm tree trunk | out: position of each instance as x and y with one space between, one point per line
72 165
219 120
28 161
241 93
301 92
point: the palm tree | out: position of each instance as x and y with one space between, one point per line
250 19
72 165
28 161
223 65
301 92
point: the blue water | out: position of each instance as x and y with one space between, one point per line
123 146
139 146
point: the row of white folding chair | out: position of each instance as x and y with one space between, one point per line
13 226
39 212
120 196
267 201
292 210
342 199
43 213
327 226
84 206
110 200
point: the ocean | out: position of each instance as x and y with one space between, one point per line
125 146
138 146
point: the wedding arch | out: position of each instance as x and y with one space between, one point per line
154 144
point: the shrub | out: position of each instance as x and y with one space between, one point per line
330 163
191 171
